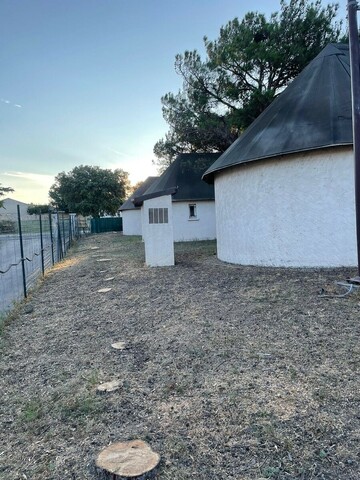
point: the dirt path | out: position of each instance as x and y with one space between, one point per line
229 372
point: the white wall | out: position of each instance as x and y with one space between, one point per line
201 228
10 208
131 222
296 211
158 237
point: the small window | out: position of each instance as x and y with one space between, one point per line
158 215
192 210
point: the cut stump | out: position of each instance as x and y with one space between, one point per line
109 386
119 345
127 461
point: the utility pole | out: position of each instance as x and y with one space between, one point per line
353 8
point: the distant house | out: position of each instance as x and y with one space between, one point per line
193 202
10 208
178 206
131 215
285 189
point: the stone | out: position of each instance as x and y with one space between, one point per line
28 309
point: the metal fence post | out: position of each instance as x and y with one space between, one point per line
64 236
353 8
70 232
59 242
51 239
22 251
41 244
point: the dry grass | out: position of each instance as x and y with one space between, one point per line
230 372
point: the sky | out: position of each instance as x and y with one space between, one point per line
81 81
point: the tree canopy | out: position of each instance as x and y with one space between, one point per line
36 208
89 190
245 68
4 190
134 187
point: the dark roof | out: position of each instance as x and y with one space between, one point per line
128 204
138 201
313 112
182 179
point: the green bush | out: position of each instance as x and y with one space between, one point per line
7 226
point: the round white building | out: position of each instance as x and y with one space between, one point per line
284 191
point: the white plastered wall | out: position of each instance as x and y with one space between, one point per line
200 228
158 237
131 222
297 210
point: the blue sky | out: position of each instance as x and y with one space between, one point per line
81 81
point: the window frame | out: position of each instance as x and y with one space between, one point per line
195 215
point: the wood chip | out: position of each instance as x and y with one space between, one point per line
109 386
104 290
119 345
123 460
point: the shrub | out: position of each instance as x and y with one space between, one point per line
7 226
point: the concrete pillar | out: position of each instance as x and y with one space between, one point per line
157 227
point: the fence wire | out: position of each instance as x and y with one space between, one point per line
30 245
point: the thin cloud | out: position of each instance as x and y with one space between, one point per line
17 105
29 187
117 152
37 177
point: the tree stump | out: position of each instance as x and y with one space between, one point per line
119 345
109 386
127 461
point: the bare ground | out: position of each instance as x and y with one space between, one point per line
229 372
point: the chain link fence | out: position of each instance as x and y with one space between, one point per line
30 245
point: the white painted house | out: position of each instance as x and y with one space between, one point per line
178 206
9 208
130 214
193 203
285 189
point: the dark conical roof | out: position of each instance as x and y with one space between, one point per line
128 204
182 179
313 112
